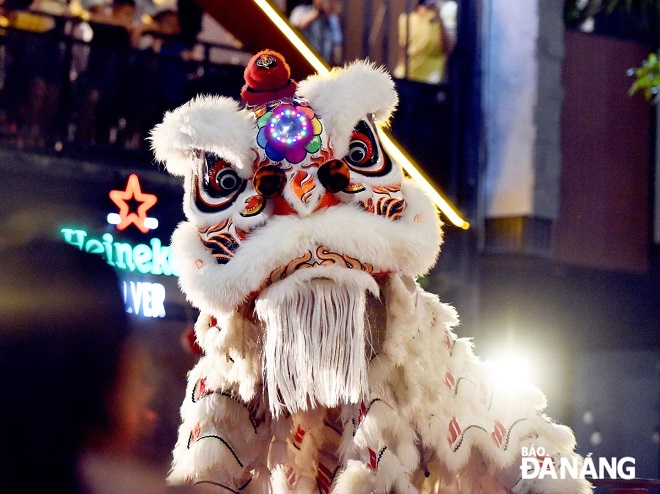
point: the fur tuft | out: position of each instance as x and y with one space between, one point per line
346 96
209 123
355 479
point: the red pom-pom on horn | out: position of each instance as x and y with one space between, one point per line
267 78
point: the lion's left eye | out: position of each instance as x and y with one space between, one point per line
360 150
220 179
364 154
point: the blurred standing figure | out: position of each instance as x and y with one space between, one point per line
429 35
190 21
62 333
33 71
72 379
321 25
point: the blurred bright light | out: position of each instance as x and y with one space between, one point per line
150 223
511 368
113 218
655 437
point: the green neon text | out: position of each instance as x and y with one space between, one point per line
146 259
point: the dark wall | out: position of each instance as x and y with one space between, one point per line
605 202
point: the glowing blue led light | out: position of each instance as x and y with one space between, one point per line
287 127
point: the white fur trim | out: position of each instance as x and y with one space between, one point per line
412 402
355 479
346 96
210 123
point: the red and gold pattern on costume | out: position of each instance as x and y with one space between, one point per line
388 201
321 257
223 240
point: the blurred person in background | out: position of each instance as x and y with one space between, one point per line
427 36
190 21
98 103
320 22
74 384
29 88
163 71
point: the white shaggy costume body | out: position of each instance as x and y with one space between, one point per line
326 368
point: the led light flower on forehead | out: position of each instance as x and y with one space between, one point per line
289 131
289 127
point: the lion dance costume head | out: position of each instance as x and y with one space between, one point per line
325 367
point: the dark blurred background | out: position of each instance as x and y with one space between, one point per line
528 129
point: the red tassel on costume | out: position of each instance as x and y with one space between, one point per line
191 342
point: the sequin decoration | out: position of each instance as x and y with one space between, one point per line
289 131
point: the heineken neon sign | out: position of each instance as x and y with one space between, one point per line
153 258
141 298
126 217
144 299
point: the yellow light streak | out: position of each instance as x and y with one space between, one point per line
398 154
320 65
395 151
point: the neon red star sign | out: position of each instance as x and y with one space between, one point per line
133 191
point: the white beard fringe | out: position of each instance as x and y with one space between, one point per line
316 340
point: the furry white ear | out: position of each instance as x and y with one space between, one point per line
208 123
348 95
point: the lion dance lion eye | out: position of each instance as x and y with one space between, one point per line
360 150
365 156
216 185
222 179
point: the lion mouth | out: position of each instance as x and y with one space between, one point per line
306 267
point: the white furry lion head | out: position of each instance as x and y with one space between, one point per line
293 205
292 183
